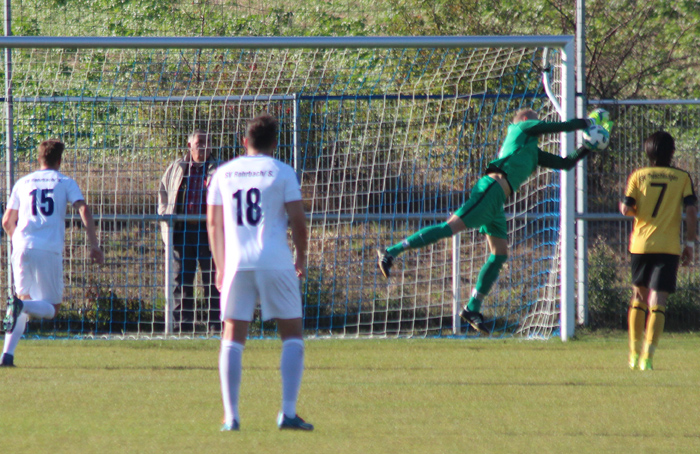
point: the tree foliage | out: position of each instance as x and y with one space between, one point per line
633 48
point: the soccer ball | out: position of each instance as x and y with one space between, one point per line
596 138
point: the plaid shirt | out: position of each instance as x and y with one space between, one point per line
194 184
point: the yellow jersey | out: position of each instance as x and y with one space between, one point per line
658 195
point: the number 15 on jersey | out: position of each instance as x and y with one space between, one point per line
43 202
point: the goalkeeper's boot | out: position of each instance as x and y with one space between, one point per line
7 360
634 362
14 308
385 263
645 364
476 320
235 425
295 423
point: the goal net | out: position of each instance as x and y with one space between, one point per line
387 135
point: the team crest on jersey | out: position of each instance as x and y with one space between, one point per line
657 175
249 173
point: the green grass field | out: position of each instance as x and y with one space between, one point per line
364 396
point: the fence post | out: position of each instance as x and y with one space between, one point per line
9 154
295 139
169 297
456 284
581 170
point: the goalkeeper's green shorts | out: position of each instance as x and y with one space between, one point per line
484 209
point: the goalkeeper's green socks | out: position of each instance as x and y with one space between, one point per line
474 304
424 237
487 277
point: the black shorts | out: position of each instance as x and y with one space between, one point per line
655 271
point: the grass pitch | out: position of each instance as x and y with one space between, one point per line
363 396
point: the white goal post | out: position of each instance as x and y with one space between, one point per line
387 134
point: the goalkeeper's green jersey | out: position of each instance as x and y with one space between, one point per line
520 155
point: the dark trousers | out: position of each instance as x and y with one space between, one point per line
190 247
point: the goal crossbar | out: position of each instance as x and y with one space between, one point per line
292 42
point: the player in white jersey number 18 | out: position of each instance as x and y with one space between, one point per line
251 201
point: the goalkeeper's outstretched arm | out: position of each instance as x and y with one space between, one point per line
552 161
550 127
597 117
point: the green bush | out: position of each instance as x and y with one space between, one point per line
683 308
105 311
608 287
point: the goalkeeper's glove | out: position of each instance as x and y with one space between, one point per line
601 117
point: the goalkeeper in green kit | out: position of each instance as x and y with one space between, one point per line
517 160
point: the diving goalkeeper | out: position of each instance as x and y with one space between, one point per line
518 158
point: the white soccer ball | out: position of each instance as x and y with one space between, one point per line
596 138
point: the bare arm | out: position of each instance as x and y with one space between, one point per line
9 221
300 234
691 233
691 223
86 215
217 244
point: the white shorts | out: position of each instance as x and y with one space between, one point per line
39 274
277 290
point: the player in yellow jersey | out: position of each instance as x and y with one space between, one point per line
655 197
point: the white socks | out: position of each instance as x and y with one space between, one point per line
291 369
39 309
230 366
12 339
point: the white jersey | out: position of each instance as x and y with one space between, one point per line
41 199
253 191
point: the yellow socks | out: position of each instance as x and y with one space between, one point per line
636 319
655 328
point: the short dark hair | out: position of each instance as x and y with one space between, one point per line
262 132
50 152
659 148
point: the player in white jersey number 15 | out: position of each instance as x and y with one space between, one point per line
251 202
35 220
